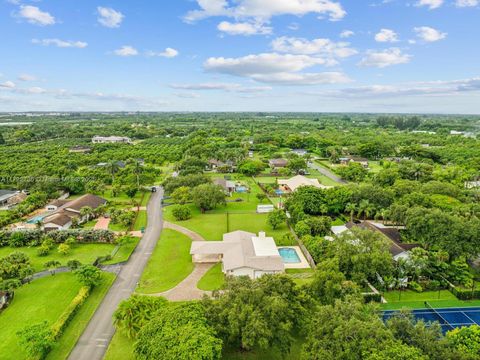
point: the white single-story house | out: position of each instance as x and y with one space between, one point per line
300 152
241 253
354 159
292 184
264 209
278 163
227 185
111 140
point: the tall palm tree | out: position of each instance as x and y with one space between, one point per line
112 168
351 208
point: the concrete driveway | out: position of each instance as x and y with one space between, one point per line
94 341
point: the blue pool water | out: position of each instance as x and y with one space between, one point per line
279 192
35 219
289 255
241 189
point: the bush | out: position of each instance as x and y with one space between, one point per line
89 275
73 264
181 212
10 284
59 326
465 294
372 297
36 340
415 286
43 250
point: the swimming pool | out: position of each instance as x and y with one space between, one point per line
241 189
289 255
36 219
279 192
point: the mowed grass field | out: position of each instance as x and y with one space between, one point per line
85 253
412 300
45 300
169 264
214 279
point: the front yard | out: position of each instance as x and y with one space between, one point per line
169 264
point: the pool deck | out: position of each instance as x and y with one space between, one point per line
303 264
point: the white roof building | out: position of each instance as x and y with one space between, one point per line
110 139
241 253
295 182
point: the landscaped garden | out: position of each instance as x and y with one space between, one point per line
169 264
414 300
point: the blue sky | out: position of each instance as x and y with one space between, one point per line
243 55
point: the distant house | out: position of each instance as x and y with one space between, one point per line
472 184
220 166
11 197
227 185
292 184
111 140
80 149
120 164
63 215
278 163
241 254
354 159
300 152
398 249
213 164
265 209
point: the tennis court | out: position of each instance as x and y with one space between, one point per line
449 318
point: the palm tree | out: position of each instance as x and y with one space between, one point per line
351 208
112 168
86 212
363 208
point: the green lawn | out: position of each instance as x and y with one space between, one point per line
413 300
43 299
141 221
255 223
121 348
76 327
374 166
213 279
85 253
124 252
170 263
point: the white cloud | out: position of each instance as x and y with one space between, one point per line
221 86
432 88
431 4
167 53
261 9
321 47
26 77
109 17
244 28
466 3
386 35
7 84
429 34
60 43
35 90
345 34
382 59
275 68
126 51
35 16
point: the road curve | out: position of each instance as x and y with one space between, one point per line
94 341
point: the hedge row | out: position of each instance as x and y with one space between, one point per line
372 297
465 294
35 237
62 322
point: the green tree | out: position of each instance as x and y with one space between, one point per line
178 331
134 313
63 249
89 275
37 340
181 195
466 339
52 265
208 196
276 218
181 212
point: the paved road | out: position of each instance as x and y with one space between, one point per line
327 173
94 341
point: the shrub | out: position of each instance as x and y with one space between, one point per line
63 249
181 212
415 286
73 264
10 284
465 294
59 326
43 250
89 275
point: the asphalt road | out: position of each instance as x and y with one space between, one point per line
94 341
327 173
